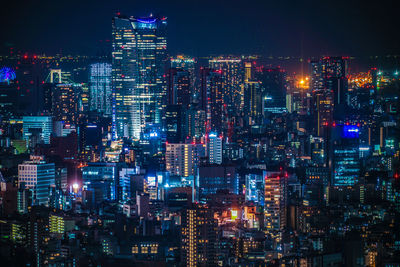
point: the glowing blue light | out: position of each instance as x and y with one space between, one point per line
350 131
146 20
212 135
7 74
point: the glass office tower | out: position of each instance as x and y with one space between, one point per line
100 88
138 57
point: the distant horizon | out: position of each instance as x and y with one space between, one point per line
355 28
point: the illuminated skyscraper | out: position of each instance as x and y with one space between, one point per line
65 103
275 203
214 148
100 88
195 121
345 149
38 176
178 82
231 70
187 64
138 56
183 159
329 88
199 237
253 101
174 123
211 99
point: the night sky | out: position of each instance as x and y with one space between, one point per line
206 27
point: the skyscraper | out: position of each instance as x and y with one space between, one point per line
138 57
38 176
178 83
214 148
211 99
174 123
329 88
273 83
187 64
100 88
183 159
199 237
345 149
65 103
275 202
253 101
231 70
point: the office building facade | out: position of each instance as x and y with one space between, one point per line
138 57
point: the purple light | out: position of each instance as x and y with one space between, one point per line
7 74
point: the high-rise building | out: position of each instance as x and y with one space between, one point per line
199 237
187 64
329 87
214 148
138 57
100 88
275 203
65 103
183 159
174 123
255 186
218 177
273 83
346 153
231 70
37 129
60 224
211 99
195 122
102 180
253 101
37 175
178 83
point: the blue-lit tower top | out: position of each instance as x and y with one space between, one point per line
138 59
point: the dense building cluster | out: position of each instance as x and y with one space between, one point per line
140 158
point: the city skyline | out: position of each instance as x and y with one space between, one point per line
183 141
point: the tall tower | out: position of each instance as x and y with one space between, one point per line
275 203
232 73
65 103
199 237
329 88
139 48
211 99
100 88
273 83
